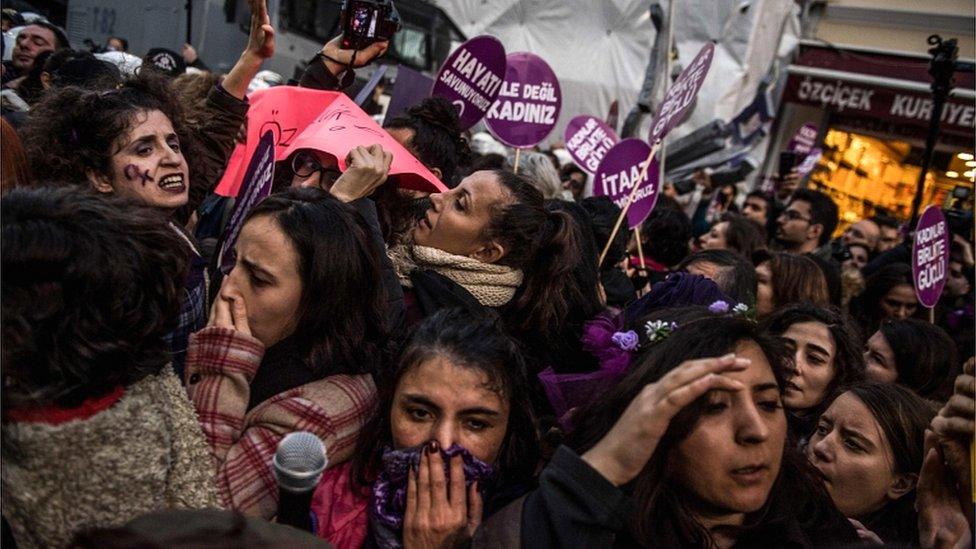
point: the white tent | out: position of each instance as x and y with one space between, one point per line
600 49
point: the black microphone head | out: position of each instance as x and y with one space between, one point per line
299 461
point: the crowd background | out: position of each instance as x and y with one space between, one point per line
477 375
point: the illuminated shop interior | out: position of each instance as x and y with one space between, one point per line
866 175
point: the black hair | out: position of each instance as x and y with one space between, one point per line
545 246
743 235
72 131
341 324
477 343
81 68
848 356
831 273
925 357
91 285
866 307
666 233
565 353
736 276
903 417
603 214
437 139
661 504
885 220
823 211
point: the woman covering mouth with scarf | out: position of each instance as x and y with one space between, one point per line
453 440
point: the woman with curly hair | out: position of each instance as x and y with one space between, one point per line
132 141
91 285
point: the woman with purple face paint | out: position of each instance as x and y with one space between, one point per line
133 141
453 440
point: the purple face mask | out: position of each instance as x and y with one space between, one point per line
390 489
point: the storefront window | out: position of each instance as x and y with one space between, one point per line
867 175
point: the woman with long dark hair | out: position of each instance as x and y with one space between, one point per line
914 354
295 336
689 450
889 294
785 279
736 233
868 446
826 356
491 242
458 402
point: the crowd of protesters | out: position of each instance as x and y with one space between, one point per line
739 377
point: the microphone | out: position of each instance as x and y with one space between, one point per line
298 465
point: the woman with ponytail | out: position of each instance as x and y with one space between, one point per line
491 242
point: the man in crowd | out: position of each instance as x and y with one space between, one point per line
757 208
33 40
890 232
864 232
806 224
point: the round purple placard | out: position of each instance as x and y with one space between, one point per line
588 140
471 78
621 170
528 104
681 95
930 256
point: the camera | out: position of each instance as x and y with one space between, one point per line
367 21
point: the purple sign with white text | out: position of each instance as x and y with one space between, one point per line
588 140
930 256
528 104
621 170
255 187
471 78
681 95
804 139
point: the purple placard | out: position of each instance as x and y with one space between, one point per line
409 88
930 256
255 186
588 140
803 140
528 104
471 78
808 163
620 171
681 95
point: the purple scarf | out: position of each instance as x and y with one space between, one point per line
390 489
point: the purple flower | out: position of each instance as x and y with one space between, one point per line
719 307
626 340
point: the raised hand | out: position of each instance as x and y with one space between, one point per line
337 59
229 311
366 170
942 523
261 39
623 452
439 515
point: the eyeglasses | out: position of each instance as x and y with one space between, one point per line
794 215
304 164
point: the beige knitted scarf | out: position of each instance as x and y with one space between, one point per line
492 285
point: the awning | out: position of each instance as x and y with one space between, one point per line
880 89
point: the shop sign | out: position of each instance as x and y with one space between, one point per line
878 101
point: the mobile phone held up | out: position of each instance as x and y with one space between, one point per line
787 161
367 21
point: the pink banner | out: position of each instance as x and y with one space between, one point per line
324 121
